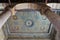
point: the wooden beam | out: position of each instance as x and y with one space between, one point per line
32 1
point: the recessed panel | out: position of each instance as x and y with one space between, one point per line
28 21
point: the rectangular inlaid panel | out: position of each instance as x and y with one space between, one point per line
28 21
